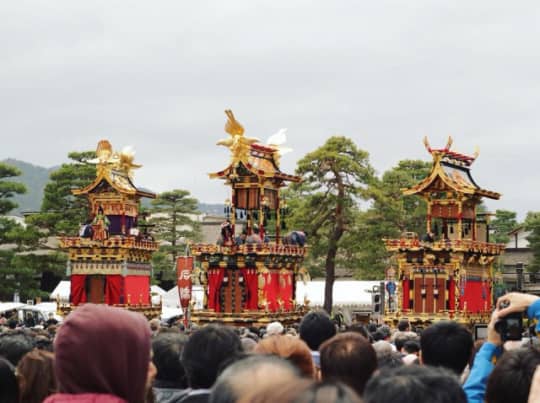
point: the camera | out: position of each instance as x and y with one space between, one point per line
510 327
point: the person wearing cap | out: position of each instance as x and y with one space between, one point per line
274 328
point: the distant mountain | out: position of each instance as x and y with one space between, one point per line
212 209
35 178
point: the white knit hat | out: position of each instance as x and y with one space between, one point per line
274 328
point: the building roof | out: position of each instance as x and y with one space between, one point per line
118 180
450 171
260 161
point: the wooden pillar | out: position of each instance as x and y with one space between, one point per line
460 220
428 219
278 219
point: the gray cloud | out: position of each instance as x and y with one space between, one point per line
158 76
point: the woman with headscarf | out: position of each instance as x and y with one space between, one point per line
102 355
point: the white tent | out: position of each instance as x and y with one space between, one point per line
156 289
172 300
9 306
62 291
346 293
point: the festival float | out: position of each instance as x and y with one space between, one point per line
447 273
109 262
251 282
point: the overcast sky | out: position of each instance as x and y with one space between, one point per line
158 75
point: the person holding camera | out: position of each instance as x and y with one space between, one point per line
505 324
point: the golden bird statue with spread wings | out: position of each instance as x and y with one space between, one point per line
237 143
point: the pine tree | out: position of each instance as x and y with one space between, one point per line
175 225
336 177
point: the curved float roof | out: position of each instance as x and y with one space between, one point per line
453 170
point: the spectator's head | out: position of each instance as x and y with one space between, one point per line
403 325
360 329
248 344
14 345
414 384
388 361
207 349
411 347
274 328
290 348
403 337
154 325
385 330
349 358
36 376
9 388
100 349
167 349
315 328
378 336
302 391
510 381
382 348
446 344
239 378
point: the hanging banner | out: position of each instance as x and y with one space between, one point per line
184 267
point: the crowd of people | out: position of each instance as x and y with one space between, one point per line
104 354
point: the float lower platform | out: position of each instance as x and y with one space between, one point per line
149 311
468 319
248 318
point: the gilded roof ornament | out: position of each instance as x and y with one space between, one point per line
107 159
238 143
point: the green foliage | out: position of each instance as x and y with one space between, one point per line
172 213
62 212
30 265
390 214
20 268
404 213
336 178
532 224
8 188
504 222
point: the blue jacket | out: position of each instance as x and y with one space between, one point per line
475 386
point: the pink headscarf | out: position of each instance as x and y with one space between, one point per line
100 349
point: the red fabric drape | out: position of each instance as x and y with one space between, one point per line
272 287
251 283
406 295
285 290
475 297
451 294
113 290
138 288
215 278
78 291
269 291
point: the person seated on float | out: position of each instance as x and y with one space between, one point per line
226 235
100 225
295 238
241 239
86 230
254 237
135 232
429 237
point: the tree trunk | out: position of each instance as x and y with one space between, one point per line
333 247
330 276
